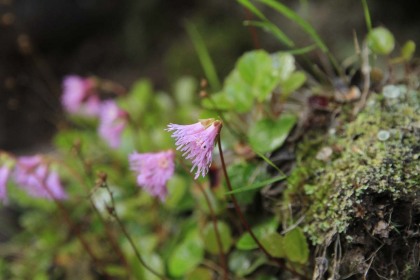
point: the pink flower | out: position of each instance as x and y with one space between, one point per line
197 142
153 171
35 177
112 123
79 96
4 176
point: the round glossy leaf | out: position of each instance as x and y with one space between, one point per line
200 273
242 175
187 255
294 82
246 242
381 41
256 70
176 190
296 246
244 263
210 238
267 135
215 203
273 243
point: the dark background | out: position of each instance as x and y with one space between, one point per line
43 40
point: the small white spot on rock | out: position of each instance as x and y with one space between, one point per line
383 135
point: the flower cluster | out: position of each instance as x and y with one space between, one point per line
80 97
196 141
112 123
34 176
153 171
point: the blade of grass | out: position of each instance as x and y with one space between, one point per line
306 26
258 185
204 56
303 50
269 27
247 4
280 35
367 15
269 162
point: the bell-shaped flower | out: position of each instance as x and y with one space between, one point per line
112 121
4 176
196 141
79 96
153 171
34 176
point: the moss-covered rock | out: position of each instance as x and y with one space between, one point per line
358 184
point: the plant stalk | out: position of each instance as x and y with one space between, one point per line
244 221
113 212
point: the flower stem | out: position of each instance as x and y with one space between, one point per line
73 228
214 220
114 244
235 202
112 211
244 221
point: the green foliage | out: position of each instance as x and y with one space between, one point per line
267 135
381 41
306 26
408 50
295 246
244 263
210 238
255 77
262 230
204 56
377 151
266 24
187 254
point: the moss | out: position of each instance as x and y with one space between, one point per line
377 153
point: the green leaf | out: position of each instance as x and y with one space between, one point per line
137 100
210 238
246 242
184 90
381 41
179 198
216 204
283 65
367 15
267 135
200 273
294 82
273 243
218 101
408 50
244 174
244 263
187 255
238 93
256 70
296 246
257 185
